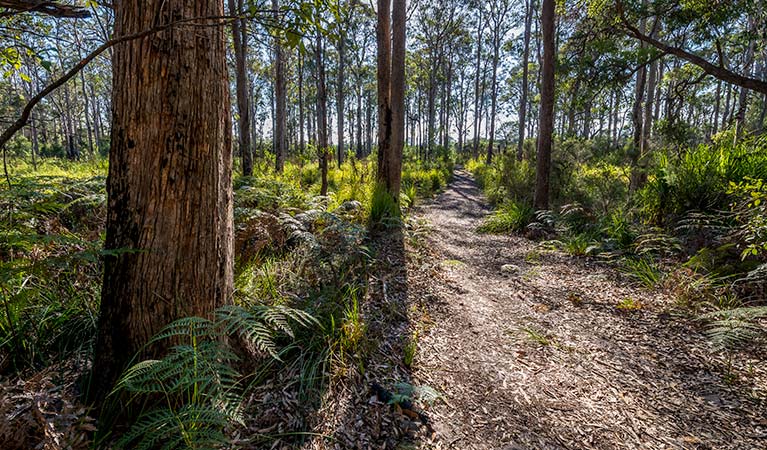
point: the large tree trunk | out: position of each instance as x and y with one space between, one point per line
525 82
391 94
280 93
397 98
546 117
239 35
169 220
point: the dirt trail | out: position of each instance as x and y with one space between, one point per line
530 351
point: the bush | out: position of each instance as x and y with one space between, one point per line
510 217
699 178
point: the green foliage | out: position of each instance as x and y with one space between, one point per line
49 263
699 178
629 304
506 179
190 396
730 329
642 270
384 209
751 210
509 217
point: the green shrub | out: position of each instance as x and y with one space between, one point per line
509 217
187 398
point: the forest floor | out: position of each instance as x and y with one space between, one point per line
529 350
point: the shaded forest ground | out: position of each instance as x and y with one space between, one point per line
537 349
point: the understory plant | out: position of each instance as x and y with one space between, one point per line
193 394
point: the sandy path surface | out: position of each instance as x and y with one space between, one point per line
530 351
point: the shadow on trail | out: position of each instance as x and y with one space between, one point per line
539 356
362 420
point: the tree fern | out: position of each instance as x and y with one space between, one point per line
198 389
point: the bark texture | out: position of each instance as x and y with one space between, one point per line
169 218
546 117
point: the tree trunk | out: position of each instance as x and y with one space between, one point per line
636 117
494 91
383 75
477 94
322 116
169 214
740 117
397 98
301 115
239 35
390 36
546 117
717 101
340 94
648 109
525 83
280 94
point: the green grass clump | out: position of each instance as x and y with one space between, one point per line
510 217
384 209
642 270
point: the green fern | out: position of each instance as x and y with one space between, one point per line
732 328
199 389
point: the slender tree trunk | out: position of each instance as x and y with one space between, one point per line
383 75
717 101
740 117
494 92
169 184
280 93
239 34
369 123
322 116
341 95
301 115
359 118
397 98
448 103
477 94
648 108
546 127
525 83
636 117
726 112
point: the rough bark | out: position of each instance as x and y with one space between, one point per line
546 116
169 215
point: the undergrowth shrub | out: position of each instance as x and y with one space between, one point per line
188 398
509 217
